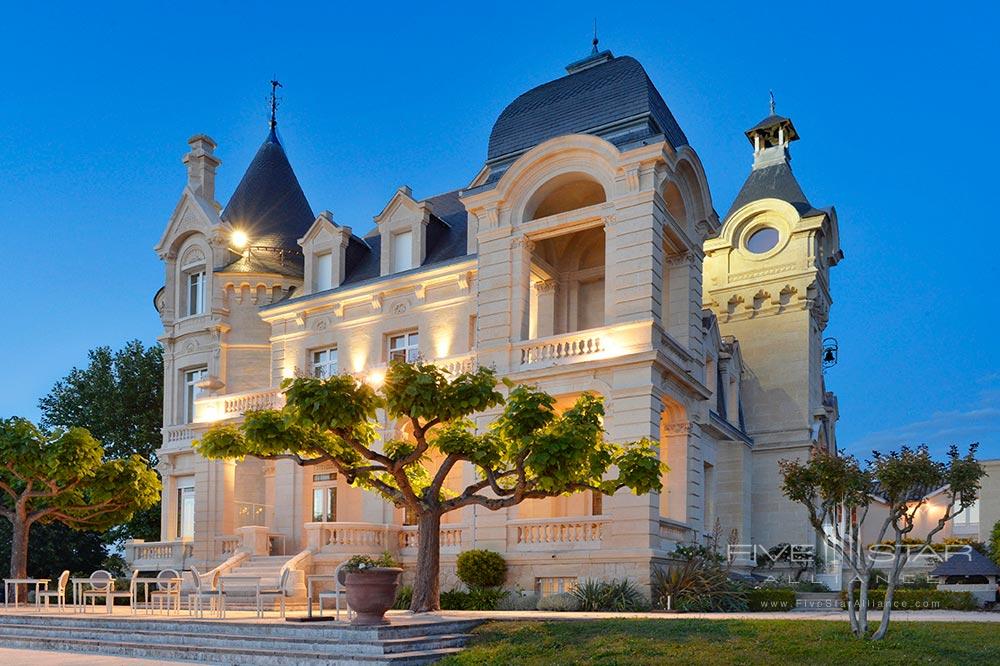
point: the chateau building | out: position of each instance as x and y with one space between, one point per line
585 255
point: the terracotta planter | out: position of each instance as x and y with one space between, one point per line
371 593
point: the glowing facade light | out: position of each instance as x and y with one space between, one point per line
239 239
376 377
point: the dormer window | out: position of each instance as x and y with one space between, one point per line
402 251
322 271
196 293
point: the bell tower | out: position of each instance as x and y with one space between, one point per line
767 279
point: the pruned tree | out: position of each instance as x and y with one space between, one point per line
528 451
832 487
62 476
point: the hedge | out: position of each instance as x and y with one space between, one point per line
771 599
920 600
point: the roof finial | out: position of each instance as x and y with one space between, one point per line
771 92
593 51
275 84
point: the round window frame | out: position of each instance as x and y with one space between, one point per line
767 221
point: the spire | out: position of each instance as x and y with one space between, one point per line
595 57
771 93
593 50
275 84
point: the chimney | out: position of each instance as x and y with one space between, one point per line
201 165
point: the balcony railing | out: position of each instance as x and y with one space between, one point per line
548 533
154 555
351 538
592 344
219 408
451 538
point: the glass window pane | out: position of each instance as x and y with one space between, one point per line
331 506
402 251
318 505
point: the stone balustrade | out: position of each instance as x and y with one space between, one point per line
156 555
592 344
456 365
546 533
451 538
234 405
351 538
227 545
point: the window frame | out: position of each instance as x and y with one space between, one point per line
410 349
401 261
195 280
315 365
325 490
190 378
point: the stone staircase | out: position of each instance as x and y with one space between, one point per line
241 595
407 642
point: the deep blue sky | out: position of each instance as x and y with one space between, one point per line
896 108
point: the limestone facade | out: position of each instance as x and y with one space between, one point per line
587 261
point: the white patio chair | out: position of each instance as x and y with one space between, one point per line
168 588
271 593
102 583
339 592
59 594
132 595
213 594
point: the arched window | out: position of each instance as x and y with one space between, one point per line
566 192
192 282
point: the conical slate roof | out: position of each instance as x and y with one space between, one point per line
269 203
772 182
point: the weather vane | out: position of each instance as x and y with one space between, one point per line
771 92
275 84
594 50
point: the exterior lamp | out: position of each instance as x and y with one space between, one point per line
239 239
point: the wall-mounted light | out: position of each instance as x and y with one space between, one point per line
239 239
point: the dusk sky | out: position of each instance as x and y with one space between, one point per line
896 107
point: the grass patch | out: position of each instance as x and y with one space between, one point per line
716 642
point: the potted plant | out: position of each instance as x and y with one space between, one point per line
371 587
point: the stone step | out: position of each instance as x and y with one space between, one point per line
223 655
314 642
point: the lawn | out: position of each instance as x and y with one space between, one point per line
770 642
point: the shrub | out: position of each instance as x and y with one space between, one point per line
619 595
362 562
904 599
697 585
696 551
486 598
404 597
771 599
518 601
481 568
455 600
995 542
564 601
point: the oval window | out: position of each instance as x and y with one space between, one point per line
762 240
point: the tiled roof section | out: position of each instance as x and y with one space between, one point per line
971 563
269 203
916 493
267 260
446 240
581 102
773 182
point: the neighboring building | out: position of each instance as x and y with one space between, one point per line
585 255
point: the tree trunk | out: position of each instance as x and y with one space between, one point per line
863 607
852 612
426 583
19 550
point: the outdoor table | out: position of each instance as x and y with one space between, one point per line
309 589
239 578
39 583
78 605
146 582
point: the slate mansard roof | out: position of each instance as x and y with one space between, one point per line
614 94
773 182
971 563
269 203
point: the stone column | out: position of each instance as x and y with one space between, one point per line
213 501
546 317
633 260
684 486
520 286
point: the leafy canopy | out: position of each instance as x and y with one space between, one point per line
63 476
528 451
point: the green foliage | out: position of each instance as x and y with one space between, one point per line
697 585
770 599
361 563
118 398
693 551
481 568
995 542
455 600
56 547
921 599
480 599
404 597
618 595
561 602
518 600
